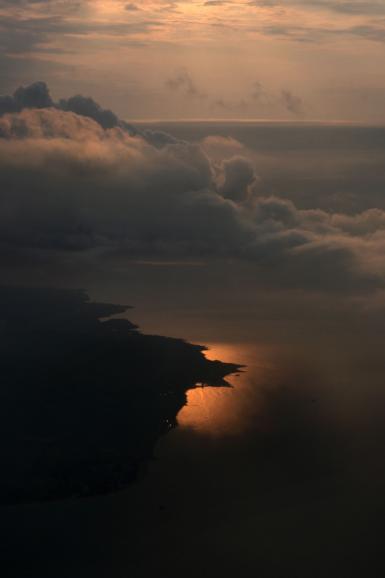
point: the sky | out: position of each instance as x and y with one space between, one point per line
155 59
271 233
84 187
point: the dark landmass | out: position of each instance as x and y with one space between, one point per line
84 399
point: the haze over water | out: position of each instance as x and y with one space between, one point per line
280 474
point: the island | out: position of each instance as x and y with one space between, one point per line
84 397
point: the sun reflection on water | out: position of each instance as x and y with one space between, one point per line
227 410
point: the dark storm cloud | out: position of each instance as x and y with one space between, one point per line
74 178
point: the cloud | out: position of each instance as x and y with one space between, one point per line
353 7
69 185
183 82
33 96
37 95
292 102
216 3
74 43
262 100
348 7
86 106
238 176
221 147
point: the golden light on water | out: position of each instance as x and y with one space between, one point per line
227 410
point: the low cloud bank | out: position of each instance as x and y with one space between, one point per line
75 178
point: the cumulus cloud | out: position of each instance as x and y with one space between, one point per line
238 176
220 147
86 106
37 95
33 96
71 182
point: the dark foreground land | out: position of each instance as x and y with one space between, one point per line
84 398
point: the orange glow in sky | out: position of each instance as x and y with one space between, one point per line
239 59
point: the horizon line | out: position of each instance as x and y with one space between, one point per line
259 121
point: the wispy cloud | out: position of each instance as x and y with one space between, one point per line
215 47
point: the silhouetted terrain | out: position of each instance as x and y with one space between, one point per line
83 400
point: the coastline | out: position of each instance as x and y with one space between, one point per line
86 400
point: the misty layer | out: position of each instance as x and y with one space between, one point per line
75 179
